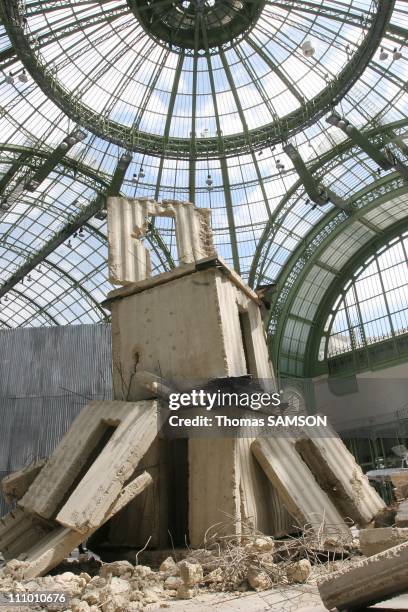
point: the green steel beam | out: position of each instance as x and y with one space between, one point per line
275 222
308 252
169 117
16 165
119 175
192 164
223 162
318 194
59 238
136 140
279 73
50 163
80 24
241 114
47 6
360 139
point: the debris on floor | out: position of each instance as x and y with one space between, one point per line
255 563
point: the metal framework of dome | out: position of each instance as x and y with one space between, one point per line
184 90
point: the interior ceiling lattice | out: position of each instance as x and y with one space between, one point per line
223 103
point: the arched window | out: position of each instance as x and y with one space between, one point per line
372 305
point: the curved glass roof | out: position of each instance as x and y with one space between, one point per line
224 106
370 307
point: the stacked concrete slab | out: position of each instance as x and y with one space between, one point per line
199 322
318 480
91 475
186 326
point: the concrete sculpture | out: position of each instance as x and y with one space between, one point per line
129 221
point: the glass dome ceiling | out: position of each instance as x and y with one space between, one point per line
222 101
195 78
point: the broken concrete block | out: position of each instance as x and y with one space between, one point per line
366 582
258 579
374 541
260 545
128 222
39 555
401 518
185 592
339 475
19 531
15 485
400 483
173 583
299 571
190 573
94 459
297 487
120 569
169 567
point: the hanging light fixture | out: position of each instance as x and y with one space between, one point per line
135 178
81 232
23 77
9 78
209 181
396 55
279 165
383 54
124 161
307 49
141 174
69 244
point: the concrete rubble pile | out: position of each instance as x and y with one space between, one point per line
259 563
112 469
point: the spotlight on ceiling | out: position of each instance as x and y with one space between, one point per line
32 185
79 134
396 55
9 78
279 166
23 77
307 49
381 157
124 161
383 54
